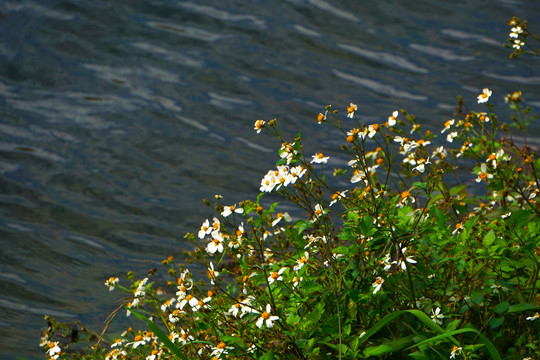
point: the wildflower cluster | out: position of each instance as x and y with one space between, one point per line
391 256
520 39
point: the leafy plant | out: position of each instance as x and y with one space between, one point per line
392 256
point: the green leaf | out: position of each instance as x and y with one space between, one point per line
353 216
496 322
301 225
521 307
269 355
489 345
341 250
456 189
501 307
423 317
161 335
391 347
420 185
378 350
489 238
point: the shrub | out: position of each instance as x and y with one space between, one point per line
408 260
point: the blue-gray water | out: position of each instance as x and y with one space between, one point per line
118 117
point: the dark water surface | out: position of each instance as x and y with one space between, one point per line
118 117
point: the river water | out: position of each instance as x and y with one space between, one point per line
119 117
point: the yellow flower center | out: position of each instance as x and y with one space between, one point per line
265 315
275 275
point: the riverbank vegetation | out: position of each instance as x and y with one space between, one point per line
389 255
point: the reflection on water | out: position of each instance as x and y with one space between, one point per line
119 117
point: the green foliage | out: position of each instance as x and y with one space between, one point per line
407 262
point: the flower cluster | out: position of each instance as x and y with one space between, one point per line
405 258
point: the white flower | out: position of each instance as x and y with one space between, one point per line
268 182
377 284
534 317
440 152
421 165
401 262
436 315
515 31
484 96
337 196
281 176
212 274
216 244
189 299
205 229
447 125
319 158
321 117
266 318
301 262
351 110
241 308
228 210
138 340
296 173
450 137
392 118
280 216
276 276
140 291
259 124
287 151
54 349
112 282
456 350
483 174
220 349
317 212
167 303
518 44
358 175
372 130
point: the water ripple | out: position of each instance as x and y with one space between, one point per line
251 20
462 35
445 54
379 88
173 56
186 31
387 58
329 8
38 9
